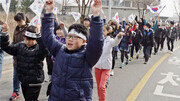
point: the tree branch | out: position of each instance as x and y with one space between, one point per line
89 8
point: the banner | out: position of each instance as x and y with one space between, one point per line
76 15
55 11
116 17
35 21
131 18
37 7
6 5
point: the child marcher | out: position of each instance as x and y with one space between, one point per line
124 48
136 40
30 55
18 36
147 42
72 79
103 66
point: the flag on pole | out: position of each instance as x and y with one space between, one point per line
6 5
116 17
37 7
155 9
76 15
35 21
131 17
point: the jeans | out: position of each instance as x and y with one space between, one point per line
16 82
147 52
31 93
1 60
170 41
162 43
137 48
158 41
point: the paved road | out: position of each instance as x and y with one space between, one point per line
135 82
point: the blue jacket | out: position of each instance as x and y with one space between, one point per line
71 78
125 42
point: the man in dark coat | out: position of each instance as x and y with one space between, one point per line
171 35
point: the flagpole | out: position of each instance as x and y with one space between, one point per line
161 11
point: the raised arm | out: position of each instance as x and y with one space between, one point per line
117 40
95 42
47 31
5 44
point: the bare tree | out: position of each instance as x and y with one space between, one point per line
84 7
145 3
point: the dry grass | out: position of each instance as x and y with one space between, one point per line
11 23
67 19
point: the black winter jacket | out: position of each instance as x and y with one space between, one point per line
158 32
171 33
137 36
29 60
147 38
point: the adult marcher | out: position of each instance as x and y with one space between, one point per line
171 35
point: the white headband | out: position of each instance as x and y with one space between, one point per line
73 31
31 35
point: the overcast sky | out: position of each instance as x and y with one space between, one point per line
169 10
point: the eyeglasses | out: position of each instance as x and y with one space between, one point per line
73 37
28 38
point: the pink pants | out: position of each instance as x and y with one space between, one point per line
102 76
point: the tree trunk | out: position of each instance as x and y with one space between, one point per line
82 19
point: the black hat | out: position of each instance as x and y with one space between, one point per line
172 22
148 25
87 19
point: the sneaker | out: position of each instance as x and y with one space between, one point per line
112 72
107 84
14 96
171 52
122 65
131 59
145 62
137 56
127 61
